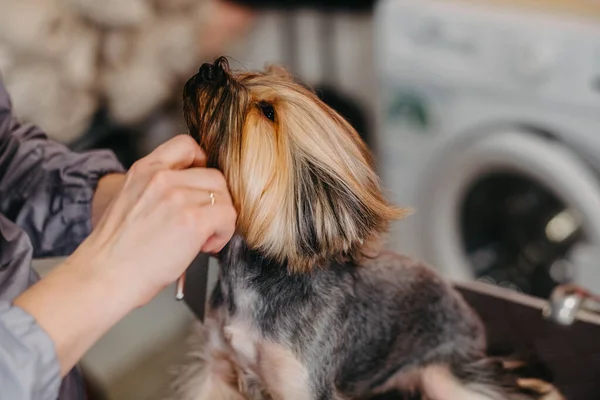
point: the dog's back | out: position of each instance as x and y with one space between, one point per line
409 330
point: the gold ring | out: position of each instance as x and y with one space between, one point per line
212 198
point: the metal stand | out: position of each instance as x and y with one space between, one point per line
567 356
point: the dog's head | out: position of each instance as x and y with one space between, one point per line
301 178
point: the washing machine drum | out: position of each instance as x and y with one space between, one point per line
510 208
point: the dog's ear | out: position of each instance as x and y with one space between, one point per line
339 210
337 203
278 71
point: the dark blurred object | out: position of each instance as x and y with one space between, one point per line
504 225
396 396
568 356
328 91
103 133
196 285
346 107
336 5
93 389
131 142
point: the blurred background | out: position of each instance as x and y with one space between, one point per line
483 116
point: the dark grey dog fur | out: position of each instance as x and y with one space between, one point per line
355 327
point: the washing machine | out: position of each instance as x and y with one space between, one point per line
489 131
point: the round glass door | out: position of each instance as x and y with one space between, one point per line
508 208
517 233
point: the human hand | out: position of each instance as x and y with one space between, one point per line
161 219
155 226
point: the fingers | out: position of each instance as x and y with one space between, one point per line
175 176
211 214
217 225
212 245
182 187
207 179
178 153
187 197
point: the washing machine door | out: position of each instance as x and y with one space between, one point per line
511 208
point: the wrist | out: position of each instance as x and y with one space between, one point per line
119 278
116 281
104 277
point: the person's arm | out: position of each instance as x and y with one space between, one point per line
46 188
157 224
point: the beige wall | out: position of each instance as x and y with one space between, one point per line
579 7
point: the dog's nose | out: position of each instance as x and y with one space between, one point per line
207 73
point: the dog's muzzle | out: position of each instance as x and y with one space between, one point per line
207 73
210 74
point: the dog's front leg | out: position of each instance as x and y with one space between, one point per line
211 372
285 377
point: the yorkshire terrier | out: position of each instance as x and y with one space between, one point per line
309 305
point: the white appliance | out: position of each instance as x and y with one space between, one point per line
490 131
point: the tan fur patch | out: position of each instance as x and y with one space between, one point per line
439 384
211 373
404 381
550 392
284 376
242 338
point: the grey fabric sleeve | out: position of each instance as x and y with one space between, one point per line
28 365
46 188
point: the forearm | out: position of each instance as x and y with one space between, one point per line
107 189
76 304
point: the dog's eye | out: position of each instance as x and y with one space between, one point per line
267 110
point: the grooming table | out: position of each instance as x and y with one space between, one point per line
515 324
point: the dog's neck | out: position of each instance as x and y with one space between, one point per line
238 261
243 270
